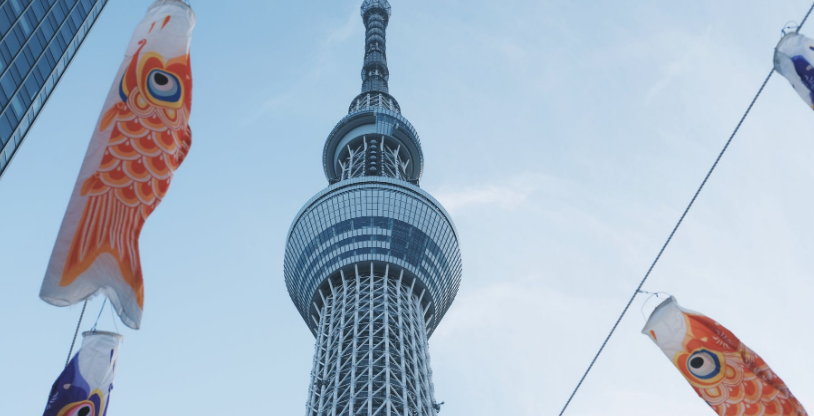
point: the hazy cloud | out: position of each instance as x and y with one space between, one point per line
506 194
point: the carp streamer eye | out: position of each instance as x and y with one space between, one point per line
164 86
84 408
704 364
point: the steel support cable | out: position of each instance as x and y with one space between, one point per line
76 334
678 224
805 18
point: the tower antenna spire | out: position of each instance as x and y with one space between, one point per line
375 74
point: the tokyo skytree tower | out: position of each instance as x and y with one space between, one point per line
372 262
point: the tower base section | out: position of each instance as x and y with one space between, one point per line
372 353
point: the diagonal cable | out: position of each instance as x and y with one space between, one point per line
678 224
76 334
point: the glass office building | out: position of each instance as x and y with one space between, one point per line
38 39
372 262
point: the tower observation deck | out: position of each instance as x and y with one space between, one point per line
372 262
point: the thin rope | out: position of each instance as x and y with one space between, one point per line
113 317
652 294
678 224
76 334
93 328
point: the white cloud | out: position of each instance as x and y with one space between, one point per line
507 194
343 33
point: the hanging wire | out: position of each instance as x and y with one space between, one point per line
678 224
93 328
652 294
805 18
791 26
113 317
76 334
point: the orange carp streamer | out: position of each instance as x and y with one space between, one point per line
142 137
729 376
148 142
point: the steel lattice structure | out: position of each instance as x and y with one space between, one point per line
388 158
372 262
371 356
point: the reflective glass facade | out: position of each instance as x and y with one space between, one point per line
38 39
373 219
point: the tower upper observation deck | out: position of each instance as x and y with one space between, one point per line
374 139
373 209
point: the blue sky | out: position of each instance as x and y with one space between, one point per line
565 138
